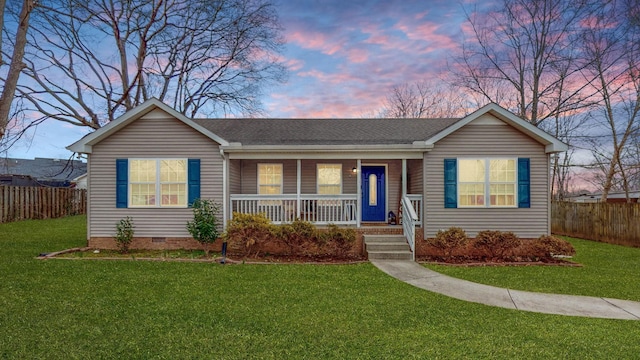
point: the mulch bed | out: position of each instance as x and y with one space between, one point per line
315 260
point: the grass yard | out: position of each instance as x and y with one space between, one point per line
66 309
608 271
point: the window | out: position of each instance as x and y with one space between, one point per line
330 179
373 190
480 180
157 183
269 179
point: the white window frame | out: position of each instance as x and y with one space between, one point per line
270 202
318 185
158 184
487 183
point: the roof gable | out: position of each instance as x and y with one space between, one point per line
552 145
85 144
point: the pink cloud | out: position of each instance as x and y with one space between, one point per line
428 32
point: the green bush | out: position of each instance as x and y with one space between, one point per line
205 225
450 239
496 243
548 246
124 234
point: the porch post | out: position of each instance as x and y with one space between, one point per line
358 192
298 187
404 177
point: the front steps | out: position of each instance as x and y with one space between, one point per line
387 247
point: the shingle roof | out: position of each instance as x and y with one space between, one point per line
325 131
43 168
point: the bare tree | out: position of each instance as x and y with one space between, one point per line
523 57
16 65
424 99
90 61
611 43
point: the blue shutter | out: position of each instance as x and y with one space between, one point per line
193 180
122 182
524 183
450 183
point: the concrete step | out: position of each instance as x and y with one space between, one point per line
387 247
392 246
389 255
371 239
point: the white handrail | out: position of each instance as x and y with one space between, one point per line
338 209
409 220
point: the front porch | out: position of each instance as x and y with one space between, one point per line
325 191
344 192
315 208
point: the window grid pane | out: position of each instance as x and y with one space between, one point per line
471 170
147 184
173 194
476 183
502 170
471 194
329 189
143 194
503 194
142 171
174 171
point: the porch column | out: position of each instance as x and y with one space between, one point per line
298 186
358 192
404 177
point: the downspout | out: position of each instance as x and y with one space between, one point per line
358 192
298 187
549 195
225 165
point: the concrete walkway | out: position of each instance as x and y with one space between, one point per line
419 276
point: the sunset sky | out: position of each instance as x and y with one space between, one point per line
343 58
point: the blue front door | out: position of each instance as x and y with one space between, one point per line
374 196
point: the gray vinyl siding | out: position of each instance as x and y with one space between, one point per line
290 170
235 182
415 176
487 141
394 183
153 136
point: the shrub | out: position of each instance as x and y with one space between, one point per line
448 240
338 241
496 243
548 246
248 233
205 225
297 235
253 235
124 234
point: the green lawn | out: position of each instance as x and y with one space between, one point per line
66 309
607 271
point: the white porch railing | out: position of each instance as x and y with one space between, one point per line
409 221
416 202
315 208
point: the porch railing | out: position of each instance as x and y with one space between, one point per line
319 209
409 222
416 202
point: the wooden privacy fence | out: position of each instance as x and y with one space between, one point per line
28 202
615 223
